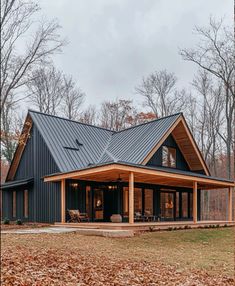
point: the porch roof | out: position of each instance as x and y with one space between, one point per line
16 184
111 171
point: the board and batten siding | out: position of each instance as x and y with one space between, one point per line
47 197
43 198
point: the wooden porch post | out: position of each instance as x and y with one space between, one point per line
195 202
230 204
63 214
131 197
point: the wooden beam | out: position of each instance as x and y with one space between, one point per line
230 204
131 197
20 147
119 167
156 147
195 202
199 154
63 211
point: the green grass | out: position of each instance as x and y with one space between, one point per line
209 249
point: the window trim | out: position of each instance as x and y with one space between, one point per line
26 203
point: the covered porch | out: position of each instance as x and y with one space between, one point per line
134 184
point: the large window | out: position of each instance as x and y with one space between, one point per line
148 202
88 201
177 205
26 204
185 205
14 204
125 201
168 157
138 200
167 205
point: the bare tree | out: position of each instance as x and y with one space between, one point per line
46 89
16 25
115 115
209 113
54 93
11 125
215 54
72 99
161 96
89 115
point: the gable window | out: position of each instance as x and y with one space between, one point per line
26 204
168 157
14 204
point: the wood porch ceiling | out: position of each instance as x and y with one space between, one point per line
111 172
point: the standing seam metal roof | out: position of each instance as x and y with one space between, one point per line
100 145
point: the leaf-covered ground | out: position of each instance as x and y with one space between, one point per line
13 225
192 257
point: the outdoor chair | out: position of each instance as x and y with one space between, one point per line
148 216
138 216
77 216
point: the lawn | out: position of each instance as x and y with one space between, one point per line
186 257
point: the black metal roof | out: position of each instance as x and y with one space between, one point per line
98 145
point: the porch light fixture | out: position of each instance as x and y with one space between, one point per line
74 185
112 187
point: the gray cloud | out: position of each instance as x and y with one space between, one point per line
113 44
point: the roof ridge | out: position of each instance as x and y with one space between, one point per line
157 119
71 120
106 148
112 131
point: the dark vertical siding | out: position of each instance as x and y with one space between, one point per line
47 195
7 204
156 160
25 170
44 198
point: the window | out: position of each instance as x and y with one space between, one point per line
168 157
88 201
148 201
138 200
177 205
14 204
167 205
185 205
125 201
191 204
26 204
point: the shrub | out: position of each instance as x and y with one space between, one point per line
170 228
151 228
19 222
187 227
225 225
6 221
217 226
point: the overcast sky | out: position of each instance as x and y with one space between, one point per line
114 43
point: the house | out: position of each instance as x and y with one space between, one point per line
153 172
